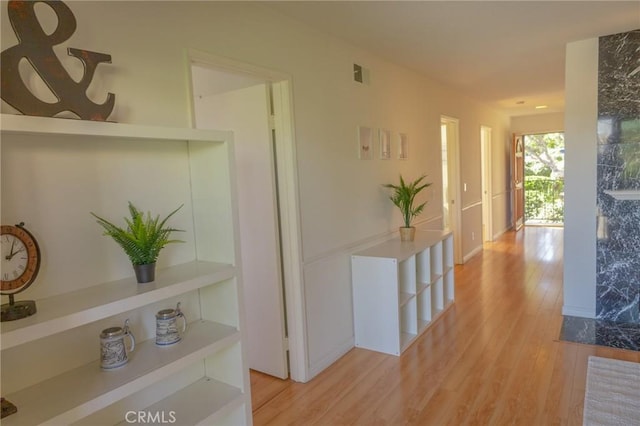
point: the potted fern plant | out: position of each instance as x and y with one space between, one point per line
403 197
142 239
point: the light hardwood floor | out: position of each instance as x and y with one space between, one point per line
492 359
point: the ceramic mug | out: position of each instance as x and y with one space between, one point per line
167 332
113 351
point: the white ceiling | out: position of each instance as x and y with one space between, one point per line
498 52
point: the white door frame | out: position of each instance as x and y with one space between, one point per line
487 192
288 198
453 163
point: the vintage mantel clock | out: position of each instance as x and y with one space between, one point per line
20 265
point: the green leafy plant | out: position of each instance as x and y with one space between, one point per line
404 195
143 237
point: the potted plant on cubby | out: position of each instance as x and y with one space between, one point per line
141 240
403 197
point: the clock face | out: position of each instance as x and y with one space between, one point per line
20 259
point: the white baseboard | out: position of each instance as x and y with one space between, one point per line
331 357
499 234
472 253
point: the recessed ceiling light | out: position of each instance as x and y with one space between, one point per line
541 106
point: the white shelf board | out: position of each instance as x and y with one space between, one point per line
31 125
66 311
422 324
628 194
402 250
403 298
435 312
82 391
405 340
206 400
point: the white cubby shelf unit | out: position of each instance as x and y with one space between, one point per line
400 288
54 172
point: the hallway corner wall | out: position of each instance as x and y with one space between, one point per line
580 178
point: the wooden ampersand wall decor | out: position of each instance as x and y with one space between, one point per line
37 47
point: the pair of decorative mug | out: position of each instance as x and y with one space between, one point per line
113 350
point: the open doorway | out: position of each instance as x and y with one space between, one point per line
241 103
544 179
256 105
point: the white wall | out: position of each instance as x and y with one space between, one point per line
581 118
342 204
538 123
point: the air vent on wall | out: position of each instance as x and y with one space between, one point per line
357 73
361 74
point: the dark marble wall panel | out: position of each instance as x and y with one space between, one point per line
618 244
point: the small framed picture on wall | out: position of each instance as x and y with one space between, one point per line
385 144
403 147
365 143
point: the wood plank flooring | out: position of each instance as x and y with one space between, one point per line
492 359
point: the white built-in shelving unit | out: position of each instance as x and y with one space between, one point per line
400 288
50 365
